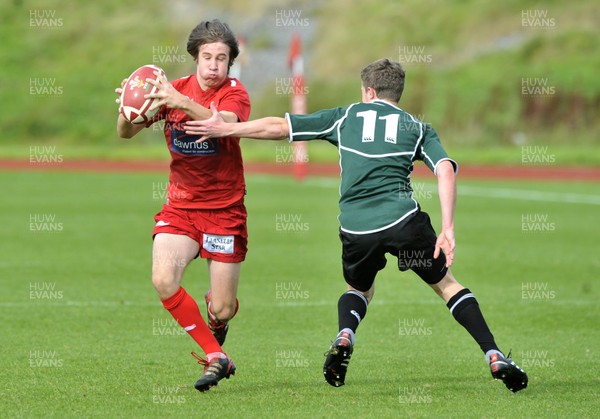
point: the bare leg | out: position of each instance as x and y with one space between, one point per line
224 279
171 254
447 287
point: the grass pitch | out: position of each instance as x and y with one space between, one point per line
84 335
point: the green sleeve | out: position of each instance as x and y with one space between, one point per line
321 125
431 150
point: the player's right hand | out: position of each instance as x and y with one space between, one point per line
207 128
447 243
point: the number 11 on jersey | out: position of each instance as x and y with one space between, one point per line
370 121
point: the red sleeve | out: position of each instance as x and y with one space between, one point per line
235 99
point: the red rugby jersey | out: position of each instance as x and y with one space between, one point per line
207 175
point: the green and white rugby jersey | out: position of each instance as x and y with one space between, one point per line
378 144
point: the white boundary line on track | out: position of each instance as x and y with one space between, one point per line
479 191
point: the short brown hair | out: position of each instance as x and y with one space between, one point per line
385 77
208 32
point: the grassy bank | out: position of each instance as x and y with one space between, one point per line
490 77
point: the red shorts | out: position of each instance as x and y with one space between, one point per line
221 234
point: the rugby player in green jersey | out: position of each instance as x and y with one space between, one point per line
378 144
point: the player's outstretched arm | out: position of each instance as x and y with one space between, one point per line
270 128
447 193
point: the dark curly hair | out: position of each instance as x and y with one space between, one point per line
208 32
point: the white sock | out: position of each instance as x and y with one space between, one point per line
491 352
350 332
213 355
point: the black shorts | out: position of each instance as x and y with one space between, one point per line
412 241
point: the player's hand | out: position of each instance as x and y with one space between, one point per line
447 243
119 90
207 128
166 94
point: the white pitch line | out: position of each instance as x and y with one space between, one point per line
283 304
69 303
486 192
376 302
529 195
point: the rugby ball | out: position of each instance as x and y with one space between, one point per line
134 107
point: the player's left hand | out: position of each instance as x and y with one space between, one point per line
447 243
167 95
207 128
119 90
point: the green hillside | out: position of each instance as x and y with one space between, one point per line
484 71
488 75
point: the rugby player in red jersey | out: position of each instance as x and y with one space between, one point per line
204 214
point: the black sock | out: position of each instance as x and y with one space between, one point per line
465 309
352 308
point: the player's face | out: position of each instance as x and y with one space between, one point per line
212 65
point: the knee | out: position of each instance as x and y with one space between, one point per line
223 311
165 285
